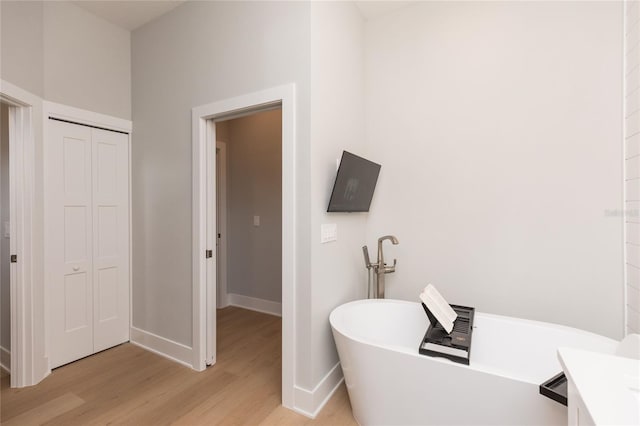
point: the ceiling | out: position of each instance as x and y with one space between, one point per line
133 14
129 14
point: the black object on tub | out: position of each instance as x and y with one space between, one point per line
555 388
455 346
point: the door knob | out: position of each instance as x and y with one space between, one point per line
76 268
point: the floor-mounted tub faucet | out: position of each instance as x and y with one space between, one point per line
376 291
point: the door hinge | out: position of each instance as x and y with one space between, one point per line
209 254
14 258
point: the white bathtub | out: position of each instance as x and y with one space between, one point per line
390 383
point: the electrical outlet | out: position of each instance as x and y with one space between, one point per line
328 232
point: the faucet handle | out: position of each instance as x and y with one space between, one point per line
389 269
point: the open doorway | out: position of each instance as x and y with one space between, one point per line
204 224
248 180
249 212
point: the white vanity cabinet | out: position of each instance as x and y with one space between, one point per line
602 389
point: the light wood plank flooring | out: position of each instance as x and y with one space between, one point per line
128 385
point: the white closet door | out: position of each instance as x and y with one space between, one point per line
87 240
69 243
110 238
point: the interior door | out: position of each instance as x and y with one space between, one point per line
110 165
210 307
69 249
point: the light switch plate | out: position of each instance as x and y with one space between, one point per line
256 221
7 230
328 232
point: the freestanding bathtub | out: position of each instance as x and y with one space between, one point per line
390 383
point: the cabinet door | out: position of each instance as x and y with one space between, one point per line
110 238
68 222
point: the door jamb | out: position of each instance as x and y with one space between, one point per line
202 116
27 364
222 293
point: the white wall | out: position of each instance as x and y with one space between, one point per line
497 127
65 54
199 53
87 60
632 163
337 124
22 44
5 306
254 187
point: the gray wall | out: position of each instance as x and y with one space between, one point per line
22 44
254 146
5 305
498 126
199 53
65 54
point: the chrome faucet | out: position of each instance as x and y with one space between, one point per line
379 268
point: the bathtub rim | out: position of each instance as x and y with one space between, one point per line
478 366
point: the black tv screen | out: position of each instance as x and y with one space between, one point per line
354 185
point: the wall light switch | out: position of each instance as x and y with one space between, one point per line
7 230
256 221
328 232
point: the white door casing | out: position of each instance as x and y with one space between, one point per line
87 240
28 358
204 219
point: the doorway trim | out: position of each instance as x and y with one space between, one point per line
204 291
27 363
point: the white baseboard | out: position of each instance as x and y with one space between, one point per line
310 402
259 305
5 359
174 351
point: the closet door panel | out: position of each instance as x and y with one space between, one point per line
110 238
69 243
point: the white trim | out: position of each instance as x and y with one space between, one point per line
90 118
625 273
210 230
28 359
169 349
222 286
255 304
5 359
81 116
284 96
310 402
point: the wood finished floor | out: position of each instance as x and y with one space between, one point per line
128 385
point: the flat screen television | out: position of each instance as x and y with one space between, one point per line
355 181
